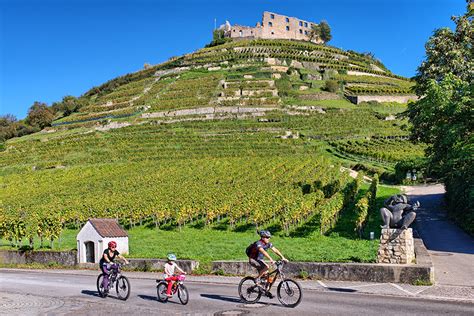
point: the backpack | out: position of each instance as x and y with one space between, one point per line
252 250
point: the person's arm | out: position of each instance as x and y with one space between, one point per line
123 258
179 269
266 254
106 258
275 250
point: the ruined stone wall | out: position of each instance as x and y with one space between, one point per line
237 31
274 26
284 27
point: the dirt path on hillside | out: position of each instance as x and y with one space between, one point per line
450 248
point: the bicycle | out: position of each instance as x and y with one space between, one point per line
289 292
122 285
177 287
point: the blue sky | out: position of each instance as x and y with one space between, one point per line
53 48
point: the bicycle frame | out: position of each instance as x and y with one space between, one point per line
277 272
174 287
113 275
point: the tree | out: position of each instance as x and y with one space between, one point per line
444 117
325 31
217 34
7 119
39 115
7 127
448 52
315 32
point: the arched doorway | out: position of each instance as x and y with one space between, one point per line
90 255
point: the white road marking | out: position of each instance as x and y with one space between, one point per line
322 284
401 289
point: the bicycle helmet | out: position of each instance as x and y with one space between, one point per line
265 234
171 257
112 244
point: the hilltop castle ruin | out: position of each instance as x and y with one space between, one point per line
273 26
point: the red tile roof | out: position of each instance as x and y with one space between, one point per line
108 227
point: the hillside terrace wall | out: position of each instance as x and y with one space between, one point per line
357 99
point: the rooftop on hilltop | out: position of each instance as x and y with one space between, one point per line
273 26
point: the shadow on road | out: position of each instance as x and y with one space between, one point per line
338 289
96 294
231 299
148 297
155 299
438 232
91 293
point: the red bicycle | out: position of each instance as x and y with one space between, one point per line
177 288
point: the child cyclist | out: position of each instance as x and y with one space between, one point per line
258 250
170 268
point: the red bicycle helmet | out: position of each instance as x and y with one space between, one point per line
112 244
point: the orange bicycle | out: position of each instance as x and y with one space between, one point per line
289 292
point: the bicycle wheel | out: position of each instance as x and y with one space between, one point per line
161 291
249 291
100 287
122 286
289 293
183 294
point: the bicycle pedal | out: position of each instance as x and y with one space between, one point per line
269 295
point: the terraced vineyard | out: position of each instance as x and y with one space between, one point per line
227 137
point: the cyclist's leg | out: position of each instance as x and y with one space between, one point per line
106 272
170 281
261 267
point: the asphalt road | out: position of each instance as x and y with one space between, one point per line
43 293
450 248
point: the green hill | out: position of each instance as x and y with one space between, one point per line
231 137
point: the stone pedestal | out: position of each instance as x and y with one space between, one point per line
396 246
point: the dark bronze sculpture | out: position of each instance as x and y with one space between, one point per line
398 212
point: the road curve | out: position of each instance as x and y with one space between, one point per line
450 248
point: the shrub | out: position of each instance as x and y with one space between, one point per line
402 167
331 86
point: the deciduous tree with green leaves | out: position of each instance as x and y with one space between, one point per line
444 117
325 31
39 115
315 32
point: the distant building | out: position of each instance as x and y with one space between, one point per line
273 26
93 238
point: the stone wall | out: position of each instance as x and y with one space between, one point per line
320 96
396 246
364 272
158 264
381 98
284 27
64 258
274 26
